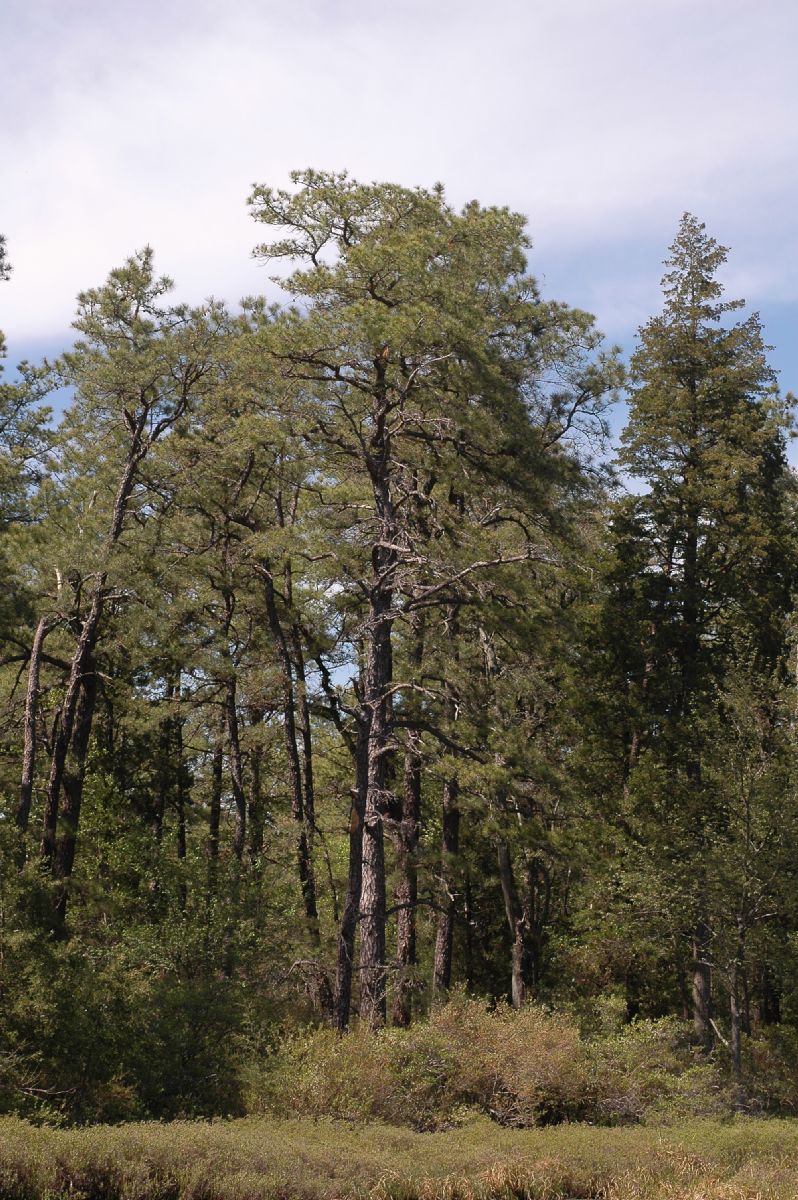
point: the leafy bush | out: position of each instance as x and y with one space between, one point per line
522 1068
647 1071
770 1070
402 1077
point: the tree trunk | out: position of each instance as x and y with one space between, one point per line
702 987
307 881
256 815
406 893
81 665
29 748
378 675
515 920
215 811
736 985
349 918
73 777
450 848
236 768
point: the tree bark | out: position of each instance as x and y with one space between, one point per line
702 986
450 848
307 881
351 910
406 893
81 666
379 669
236 768
31 712
515 920
73 777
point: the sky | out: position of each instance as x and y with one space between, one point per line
148 121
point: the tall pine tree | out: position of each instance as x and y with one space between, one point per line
706 547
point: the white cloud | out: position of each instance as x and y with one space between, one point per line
603 119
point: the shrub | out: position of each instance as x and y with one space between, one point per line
399 1076
648 1072
523 1068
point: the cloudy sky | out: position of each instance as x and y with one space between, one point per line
147 121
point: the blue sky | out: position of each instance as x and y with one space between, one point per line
602 120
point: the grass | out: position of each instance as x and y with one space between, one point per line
268 1159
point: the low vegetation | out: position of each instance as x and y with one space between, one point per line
522 1069
267 1158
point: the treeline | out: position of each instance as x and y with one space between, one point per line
338 669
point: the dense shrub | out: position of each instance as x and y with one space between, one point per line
404 1077
522 1068
648 1071
770 1071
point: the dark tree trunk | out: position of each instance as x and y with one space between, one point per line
215 810
351 912
735 1036
450 848
180 806
769 997
373 982
515 920
236 768
73 777
166 769
256 813
406 893
469 921
309 792
81 666
307 881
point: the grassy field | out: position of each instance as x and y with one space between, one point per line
255 1158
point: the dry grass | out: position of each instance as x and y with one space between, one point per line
266 1159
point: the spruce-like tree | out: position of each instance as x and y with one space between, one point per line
706 555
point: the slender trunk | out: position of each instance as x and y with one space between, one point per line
307 880
769 997
515 920
180 805
736 984
305 733
469 922
81 665
236 767
255 815
372 901
349 918
165 766
702 986
83 657
450 847
406 893
29 748
64 857
536 908
215 809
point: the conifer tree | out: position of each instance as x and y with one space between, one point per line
703 555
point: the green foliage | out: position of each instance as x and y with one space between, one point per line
523 1069
349 562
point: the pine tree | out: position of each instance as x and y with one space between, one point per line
705 551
